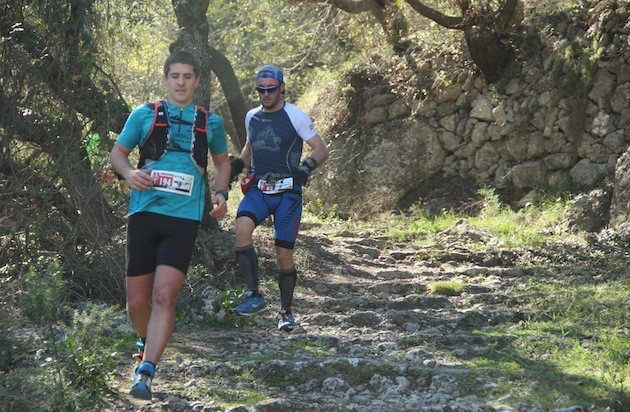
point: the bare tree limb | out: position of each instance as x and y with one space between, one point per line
449 22
354 6
506 13
222 67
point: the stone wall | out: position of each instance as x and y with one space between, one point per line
560 116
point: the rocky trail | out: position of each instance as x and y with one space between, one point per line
372 336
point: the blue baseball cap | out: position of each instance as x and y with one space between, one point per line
270 72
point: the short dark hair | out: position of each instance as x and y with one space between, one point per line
184 58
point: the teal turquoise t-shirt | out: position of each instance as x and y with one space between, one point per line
188 204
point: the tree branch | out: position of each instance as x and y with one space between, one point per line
354 6
506 13
450 22
222 67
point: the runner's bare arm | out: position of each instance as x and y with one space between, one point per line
222 170
246 154
222 178
320 151
136 179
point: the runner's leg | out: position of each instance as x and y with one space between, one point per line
142 245
287 218
288 277
139 290
168 282
245 253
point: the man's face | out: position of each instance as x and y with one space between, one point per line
181 83
269 91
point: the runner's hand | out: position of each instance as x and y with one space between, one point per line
302 173
219 209
139 179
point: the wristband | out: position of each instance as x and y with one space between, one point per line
310 163
222 192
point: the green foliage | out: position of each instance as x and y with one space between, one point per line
319 347
83 362
415 225
530 226
43 292
577 8
296 37
193 297
227 396
447 288
73 378
323 213
76 371
82 368
492 205
229 321
231 297
93 325
77 361
575 342
133 42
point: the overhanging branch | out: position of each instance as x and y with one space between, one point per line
450 22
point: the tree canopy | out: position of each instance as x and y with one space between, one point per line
71 70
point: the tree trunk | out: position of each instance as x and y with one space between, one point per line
222 67
191 17
50 104
487 52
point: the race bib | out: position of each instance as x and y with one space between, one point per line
173 182
276 186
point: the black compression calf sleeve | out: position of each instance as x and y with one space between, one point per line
286 283
248 265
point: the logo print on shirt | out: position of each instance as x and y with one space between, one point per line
267 140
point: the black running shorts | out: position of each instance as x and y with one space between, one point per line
154 239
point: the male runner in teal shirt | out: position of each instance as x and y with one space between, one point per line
166 204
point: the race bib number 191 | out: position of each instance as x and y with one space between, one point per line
173 182
276 186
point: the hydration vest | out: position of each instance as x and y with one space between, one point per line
158 140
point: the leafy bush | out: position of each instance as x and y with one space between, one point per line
73 343
81 368
43 292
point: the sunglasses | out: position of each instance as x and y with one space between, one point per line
270 90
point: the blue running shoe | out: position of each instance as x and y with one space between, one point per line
286 323
251 305
141 388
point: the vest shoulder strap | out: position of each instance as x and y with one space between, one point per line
201 119
156 106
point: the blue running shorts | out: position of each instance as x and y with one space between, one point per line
286 208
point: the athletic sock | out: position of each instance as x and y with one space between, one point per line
286 283
147 368
248 265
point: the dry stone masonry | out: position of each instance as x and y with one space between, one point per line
559 118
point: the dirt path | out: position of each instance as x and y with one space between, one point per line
371 337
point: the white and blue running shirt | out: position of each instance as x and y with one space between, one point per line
277 138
